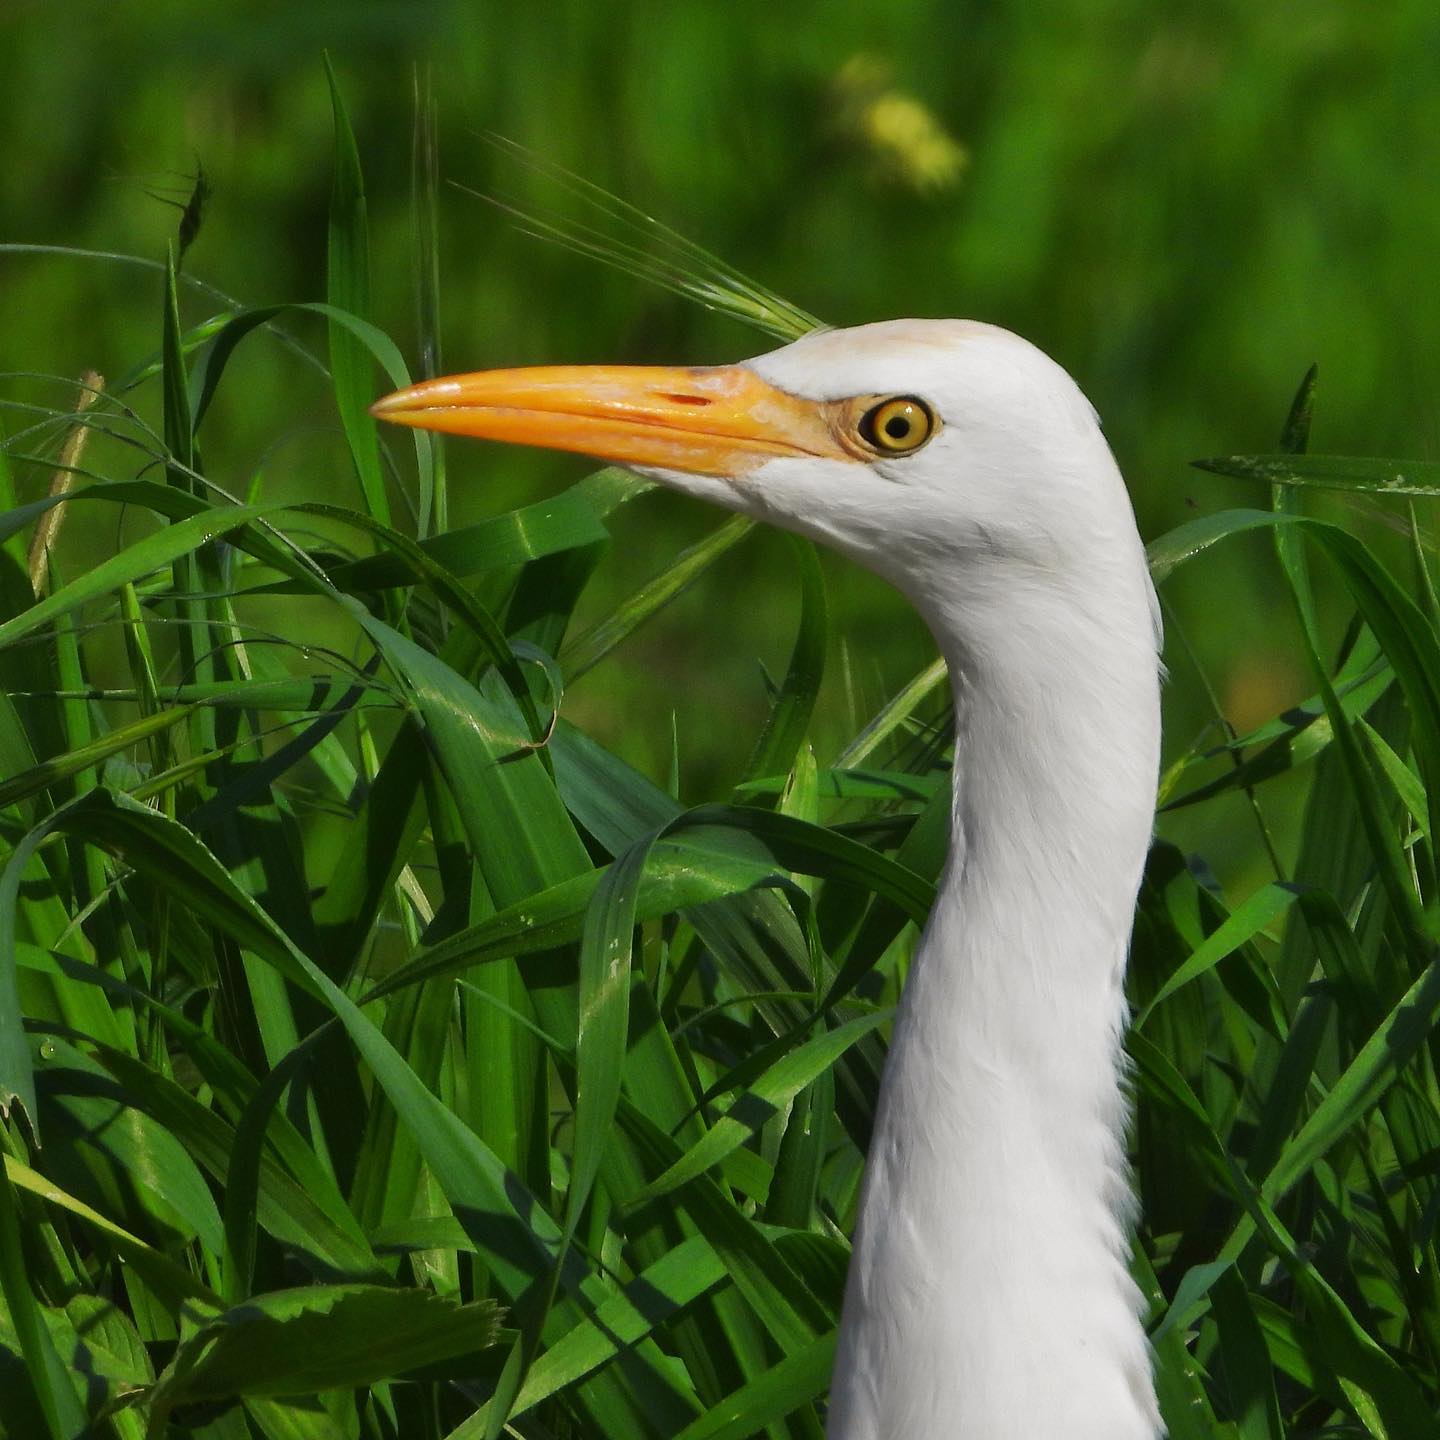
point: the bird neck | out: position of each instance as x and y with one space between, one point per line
1057 748
989 1292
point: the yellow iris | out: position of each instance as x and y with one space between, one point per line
896 427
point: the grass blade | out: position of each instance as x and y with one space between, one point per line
348 289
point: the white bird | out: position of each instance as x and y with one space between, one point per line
989 1296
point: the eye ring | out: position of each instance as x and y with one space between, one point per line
898 426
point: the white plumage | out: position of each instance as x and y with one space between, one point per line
989 1296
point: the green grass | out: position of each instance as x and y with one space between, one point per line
353 1004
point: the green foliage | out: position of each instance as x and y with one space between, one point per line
352 1003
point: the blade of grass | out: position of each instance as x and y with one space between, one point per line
348 288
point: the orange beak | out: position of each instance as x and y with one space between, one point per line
721 420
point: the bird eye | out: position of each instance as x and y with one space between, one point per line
896 427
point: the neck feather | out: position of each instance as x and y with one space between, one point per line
989 1293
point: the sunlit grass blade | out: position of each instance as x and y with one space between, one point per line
548 527
1375 1068
672 1283
761 1099
1333 472
81 758
1182 544
893 715
171 1283
133 563
586 651
1261 910
785 1388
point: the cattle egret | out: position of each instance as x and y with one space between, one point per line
989 1295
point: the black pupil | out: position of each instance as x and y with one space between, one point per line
897 427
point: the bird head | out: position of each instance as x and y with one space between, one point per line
927 450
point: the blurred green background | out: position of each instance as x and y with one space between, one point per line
1186 203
